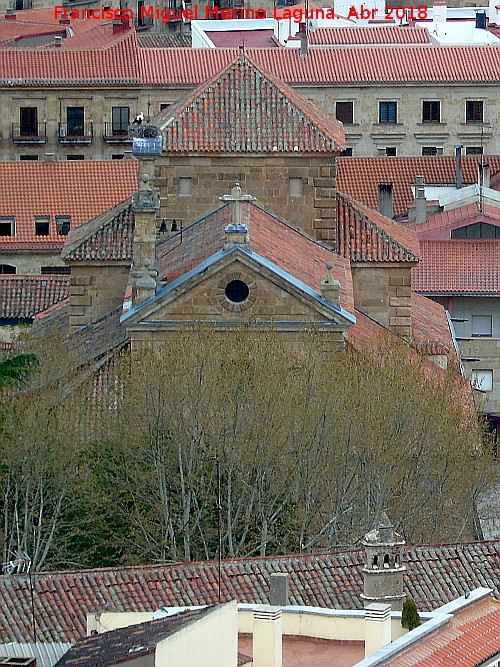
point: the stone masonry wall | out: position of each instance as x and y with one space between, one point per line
265 177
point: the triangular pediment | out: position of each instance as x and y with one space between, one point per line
243 108
273 295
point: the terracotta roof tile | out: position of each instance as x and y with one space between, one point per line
162 41
81 189
109 236
430 327
435 575
342 64
359 177
236 110
390 34
438 227
22 297
458 266
471 638
364 235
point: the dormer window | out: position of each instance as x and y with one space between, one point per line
42 225
63 224
479 230
387 563
7 225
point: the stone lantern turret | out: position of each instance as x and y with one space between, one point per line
384 570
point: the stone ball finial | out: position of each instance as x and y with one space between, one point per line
329 265
144 182
146 262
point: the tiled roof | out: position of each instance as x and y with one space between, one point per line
435 575
161 41
283 245
364 235
118 62
81 189
129 643
25 296
342 64
430 327
236 111
458 266
109 236
389 34
471 639
438 227
359 176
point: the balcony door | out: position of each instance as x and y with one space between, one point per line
121 119
75 120
28 119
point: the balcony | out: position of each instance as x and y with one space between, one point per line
29 134
116 133
75 134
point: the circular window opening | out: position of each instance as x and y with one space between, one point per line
237 291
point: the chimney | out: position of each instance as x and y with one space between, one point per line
10 15
377 627
49 157
267 636
303 44
481 20
58 40
458 166
483 176
330 287
439 10
420 200
278 595
385 199
117 26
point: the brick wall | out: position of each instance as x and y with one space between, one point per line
264 177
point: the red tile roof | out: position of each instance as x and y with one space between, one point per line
458 266
81 189
22 297
435 575
471 638
236 111
438 227
380 34
166 40
430 327
118 62
364 235
359 176
342 64
281 244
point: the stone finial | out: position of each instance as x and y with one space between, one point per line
330 287
235 198
236 234
144 182
144 284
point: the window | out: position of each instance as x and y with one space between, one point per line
474 112
431 112
185 186
7 225
482 325
29 157
63 224
120 120
28 121
295 187
482 379
56 270
346 152
42 225
390 150
432 150
237 291
344 112
75 121
164 105
479 230
75 157
118 156
7 269
473 150
388 112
